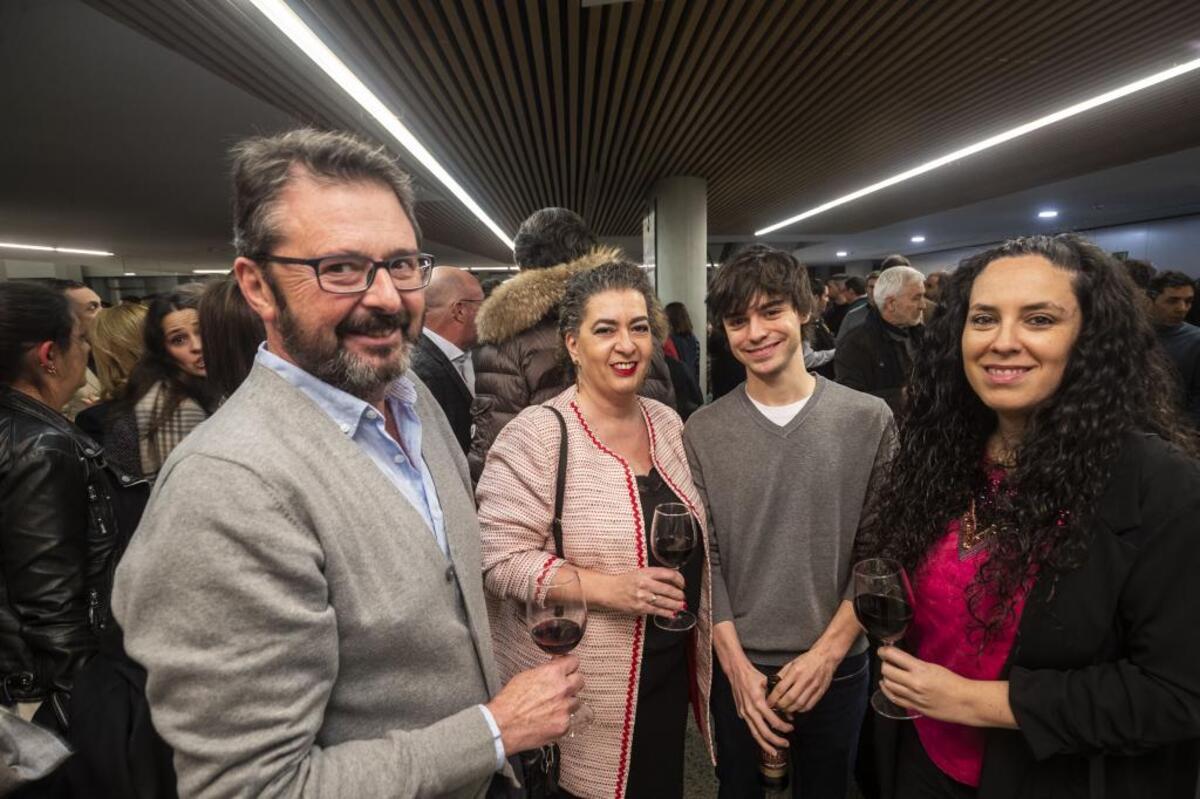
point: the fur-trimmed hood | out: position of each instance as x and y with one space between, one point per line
525 300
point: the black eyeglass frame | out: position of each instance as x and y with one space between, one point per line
426 263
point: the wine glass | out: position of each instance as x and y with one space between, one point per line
673 538
883 603
556 615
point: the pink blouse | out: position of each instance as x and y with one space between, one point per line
942 633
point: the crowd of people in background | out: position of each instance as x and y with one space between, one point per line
287 533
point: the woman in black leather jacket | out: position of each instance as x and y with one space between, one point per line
63 519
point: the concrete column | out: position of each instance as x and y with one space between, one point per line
680 208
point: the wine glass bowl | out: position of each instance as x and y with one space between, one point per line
556 616
674 535
557 636
883 604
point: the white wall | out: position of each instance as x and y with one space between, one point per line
15 268
1165 243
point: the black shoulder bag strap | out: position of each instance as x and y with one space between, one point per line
540 767
560 482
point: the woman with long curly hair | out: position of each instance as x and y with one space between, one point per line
1044 500
168 394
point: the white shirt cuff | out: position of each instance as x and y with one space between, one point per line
496 740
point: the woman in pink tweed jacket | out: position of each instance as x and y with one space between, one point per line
617 442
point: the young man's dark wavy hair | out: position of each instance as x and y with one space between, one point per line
758 271
1115 382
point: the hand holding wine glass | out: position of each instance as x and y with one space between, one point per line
673 538
556 615
535 707
883 603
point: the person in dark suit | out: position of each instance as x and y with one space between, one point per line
876 357
442 357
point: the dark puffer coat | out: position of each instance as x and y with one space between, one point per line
517 361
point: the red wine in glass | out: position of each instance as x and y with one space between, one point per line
557 636
884 617
883 603
556 616
674 535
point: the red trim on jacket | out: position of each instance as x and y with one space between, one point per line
639 623
542 574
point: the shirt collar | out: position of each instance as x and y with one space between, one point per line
343 408
451 350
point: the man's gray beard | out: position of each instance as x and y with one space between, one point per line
357 378
340 368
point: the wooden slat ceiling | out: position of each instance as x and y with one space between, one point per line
779 105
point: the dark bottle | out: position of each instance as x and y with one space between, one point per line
773 769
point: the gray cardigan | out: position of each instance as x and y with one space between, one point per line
302 632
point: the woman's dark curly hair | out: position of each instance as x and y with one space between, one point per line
1115 381
157 366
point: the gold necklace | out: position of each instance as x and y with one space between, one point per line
970 537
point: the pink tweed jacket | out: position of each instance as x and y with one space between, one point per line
603 529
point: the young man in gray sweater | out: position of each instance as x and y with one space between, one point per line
785 464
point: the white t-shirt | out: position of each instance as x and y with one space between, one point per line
779 414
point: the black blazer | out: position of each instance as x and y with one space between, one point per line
1104 675
447 386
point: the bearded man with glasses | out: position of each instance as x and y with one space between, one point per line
305 589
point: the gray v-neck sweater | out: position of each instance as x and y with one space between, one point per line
784 506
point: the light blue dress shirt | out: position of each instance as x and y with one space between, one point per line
400 462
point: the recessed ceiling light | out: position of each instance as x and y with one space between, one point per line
992 141
842 253
44 248
1047 214
210 271
283 18
917 239
131 274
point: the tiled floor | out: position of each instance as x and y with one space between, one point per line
699 782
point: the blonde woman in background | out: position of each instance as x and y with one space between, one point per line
117 346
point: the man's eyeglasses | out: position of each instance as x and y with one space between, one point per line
354 274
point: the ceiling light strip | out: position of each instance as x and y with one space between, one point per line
282 17
43 248
992 141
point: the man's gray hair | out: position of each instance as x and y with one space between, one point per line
263 166
893 280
